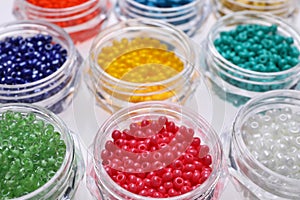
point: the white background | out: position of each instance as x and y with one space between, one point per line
84 117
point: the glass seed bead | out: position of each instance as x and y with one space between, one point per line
27 171
167 179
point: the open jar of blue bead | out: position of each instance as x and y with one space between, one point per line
187 15
263 146
40 157
250 53
38 64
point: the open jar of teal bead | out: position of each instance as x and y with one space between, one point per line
39 65
40 157
249 53
187 15
263 146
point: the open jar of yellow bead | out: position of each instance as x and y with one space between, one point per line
282 8
136 61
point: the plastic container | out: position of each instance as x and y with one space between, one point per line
55 91
282 8
251 175
188 18
103 187
240 84
65 181
82 22
114 93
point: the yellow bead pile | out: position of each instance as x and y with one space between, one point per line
140 60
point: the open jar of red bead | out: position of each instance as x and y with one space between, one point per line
82 19
40 157
156 150
38 64
141 60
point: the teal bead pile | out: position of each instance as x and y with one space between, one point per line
31 152
258 48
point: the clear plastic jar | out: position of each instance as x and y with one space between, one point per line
188 18
114 93
82 22
65 181
252 176
282 8
55 91
238 83
102 186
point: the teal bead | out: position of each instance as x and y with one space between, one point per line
273 28
286 67
263 58
289 40
293 61
236 60
267 44
242 37
260 34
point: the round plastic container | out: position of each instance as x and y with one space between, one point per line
282 8
238 83
188 17
102 186
255 177
55 91
65 181
114 93
82 22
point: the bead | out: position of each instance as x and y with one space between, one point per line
178 183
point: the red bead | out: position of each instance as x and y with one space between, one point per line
131 179
142 147
157 156
187 183
188 158
125 148
189 168
172 192
177 173
187 175
151 191
185 189
157 195
109 145
132 143
145 123
170 126
182 130
143 193
190 132
192 151
120 142
196 176
151 174
132 188
196 142
125 186
154 140
153 148
147 182
177 164
178 182
198 165
206 160
162 189
168 176
168 185
140 185
204 176
162 120
203 151
116 134
156 181
105 154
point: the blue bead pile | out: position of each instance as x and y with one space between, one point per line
164 3
258 48
26 60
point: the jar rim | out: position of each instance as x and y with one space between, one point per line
56 121
167 9
258 15
264 99
175 109
44 26
129 24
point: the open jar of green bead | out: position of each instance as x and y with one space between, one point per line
137 60
39 64
40 158
156 150
250 53
263 146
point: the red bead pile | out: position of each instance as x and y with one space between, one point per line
156 158
56 4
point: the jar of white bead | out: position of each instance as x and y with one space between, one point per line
264 148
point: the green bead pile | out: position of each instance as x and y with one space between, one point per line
31 152
258 48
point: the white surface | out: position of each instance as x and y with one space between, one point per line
84 117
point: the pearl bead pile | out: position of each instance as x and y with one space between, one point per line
273 138
157 158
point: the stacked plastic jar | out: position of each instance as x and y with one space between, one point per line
264 149
39 64
40 157
82 19
187 15
156 150
282 8
250 53
136 61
